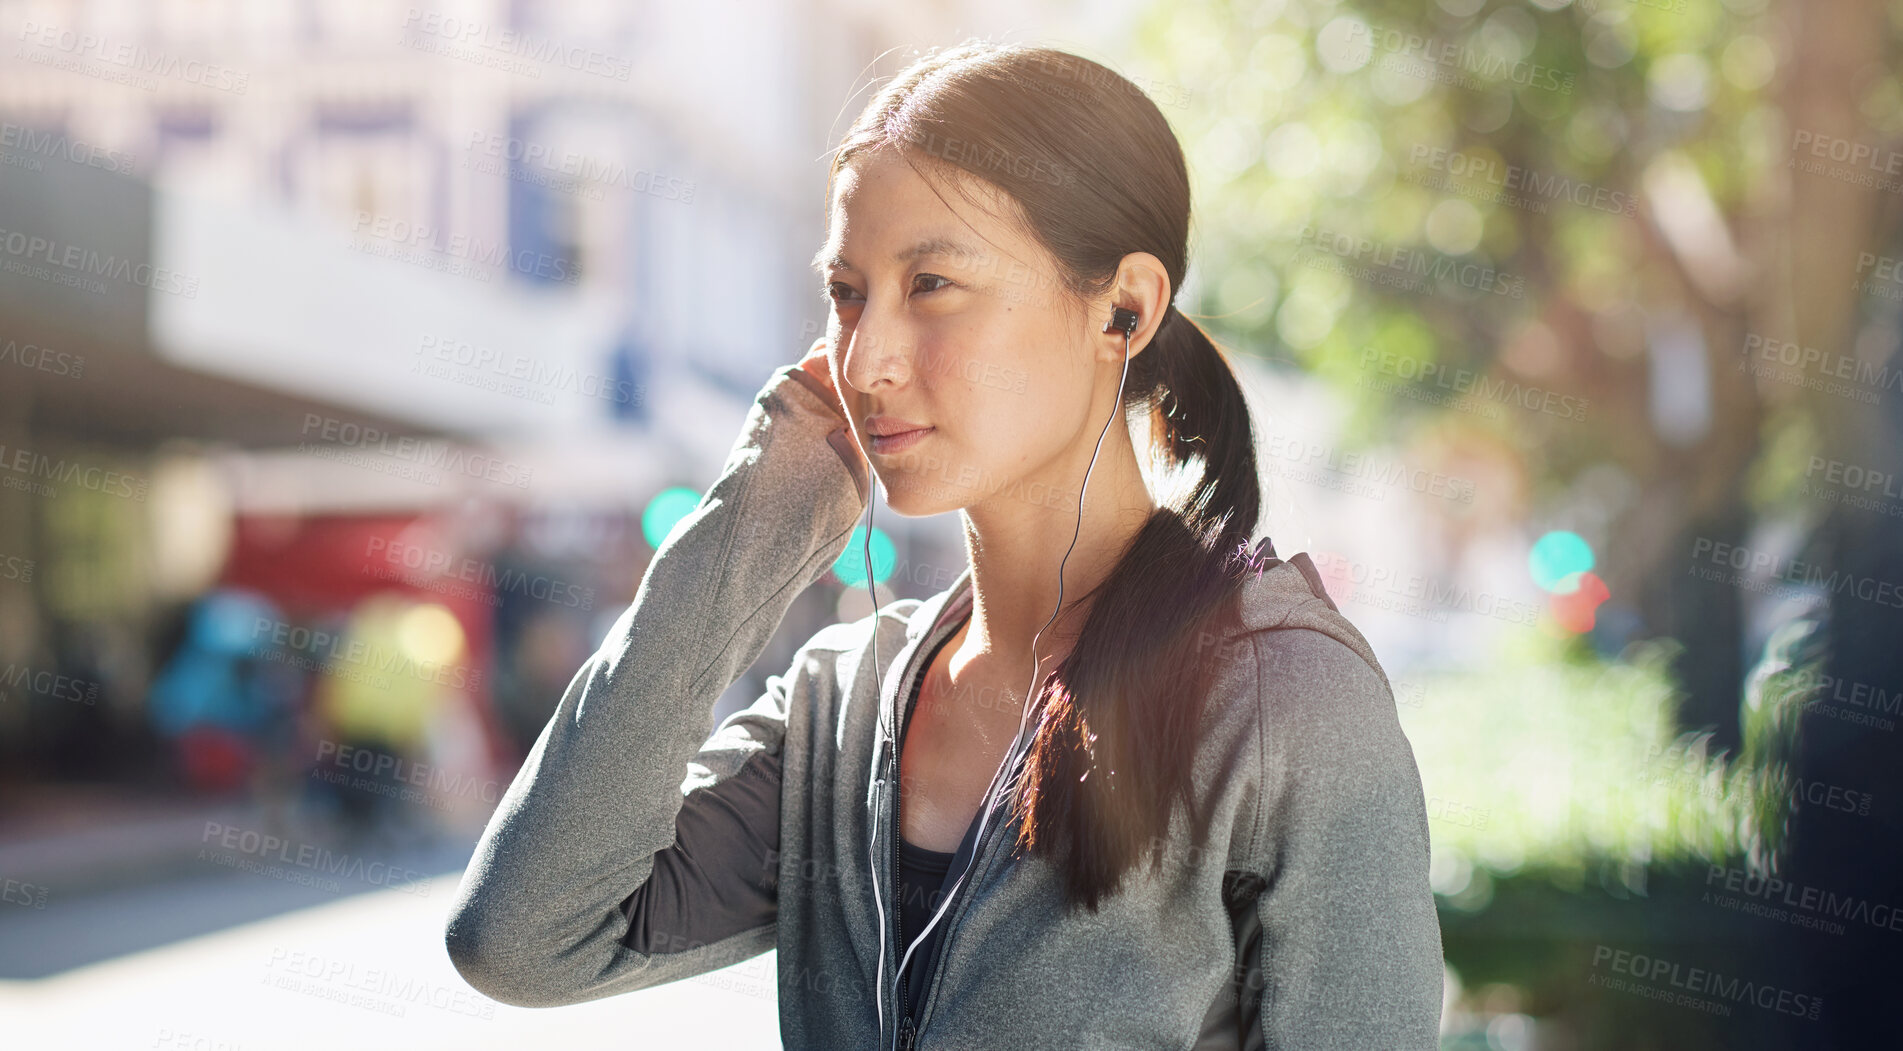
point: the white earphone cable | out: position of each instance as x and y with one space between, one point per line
889 736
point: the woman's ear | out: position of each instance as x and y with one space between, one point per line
1143 287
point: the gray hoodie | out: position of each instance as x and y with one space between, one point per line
1305 921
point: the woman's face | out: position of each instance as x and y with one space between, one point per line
950 323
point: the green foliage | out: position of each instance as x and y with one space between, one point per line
1563 765
1327 116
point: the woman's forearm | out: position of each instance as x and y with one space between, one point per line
537 919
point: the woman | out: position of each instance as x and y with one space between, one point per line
996 216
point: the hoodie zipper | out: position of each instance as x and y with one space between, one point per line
908 1034
952 911
908 1031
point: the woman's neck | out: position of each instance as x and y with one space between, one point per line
1016 544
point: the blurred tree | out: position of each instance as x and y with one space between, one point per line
1650 241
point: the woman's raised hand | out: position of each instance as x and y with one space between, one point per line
815 364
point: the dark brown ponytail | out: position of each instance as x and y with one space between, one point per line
1139 673
1098 174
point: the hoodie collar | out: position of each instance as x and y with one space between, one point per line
1276 595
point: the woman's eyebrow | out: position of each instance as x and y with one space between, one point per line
823 262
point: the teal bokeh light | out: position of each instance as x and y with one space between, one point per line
1557 560
850 567
665 511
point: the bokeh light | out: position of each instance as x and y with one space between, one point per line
665 511
1556 558
850 567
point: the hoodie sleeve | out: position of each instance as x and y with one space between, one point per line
1346 944
633 848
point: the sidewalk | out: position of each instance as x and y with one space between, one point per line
89 874
365 971
82 839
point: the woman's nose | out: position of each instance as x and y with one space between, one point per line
879 355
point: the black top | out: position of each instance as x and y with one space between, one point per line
921 892
925 875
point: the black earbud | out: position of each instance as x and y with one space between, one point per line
1121 320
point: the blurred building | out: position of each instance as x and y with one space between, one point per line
283 285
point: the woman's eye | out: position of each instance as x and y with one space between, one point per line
836 291
840 292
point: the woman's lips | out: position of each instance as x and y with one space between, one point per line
897 443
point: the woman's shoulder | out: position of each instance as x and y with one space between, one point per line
1295 683
1298 675
1285 595
1289 633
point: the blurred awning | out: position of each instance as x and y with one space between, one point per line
77 280
248 318
370 315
